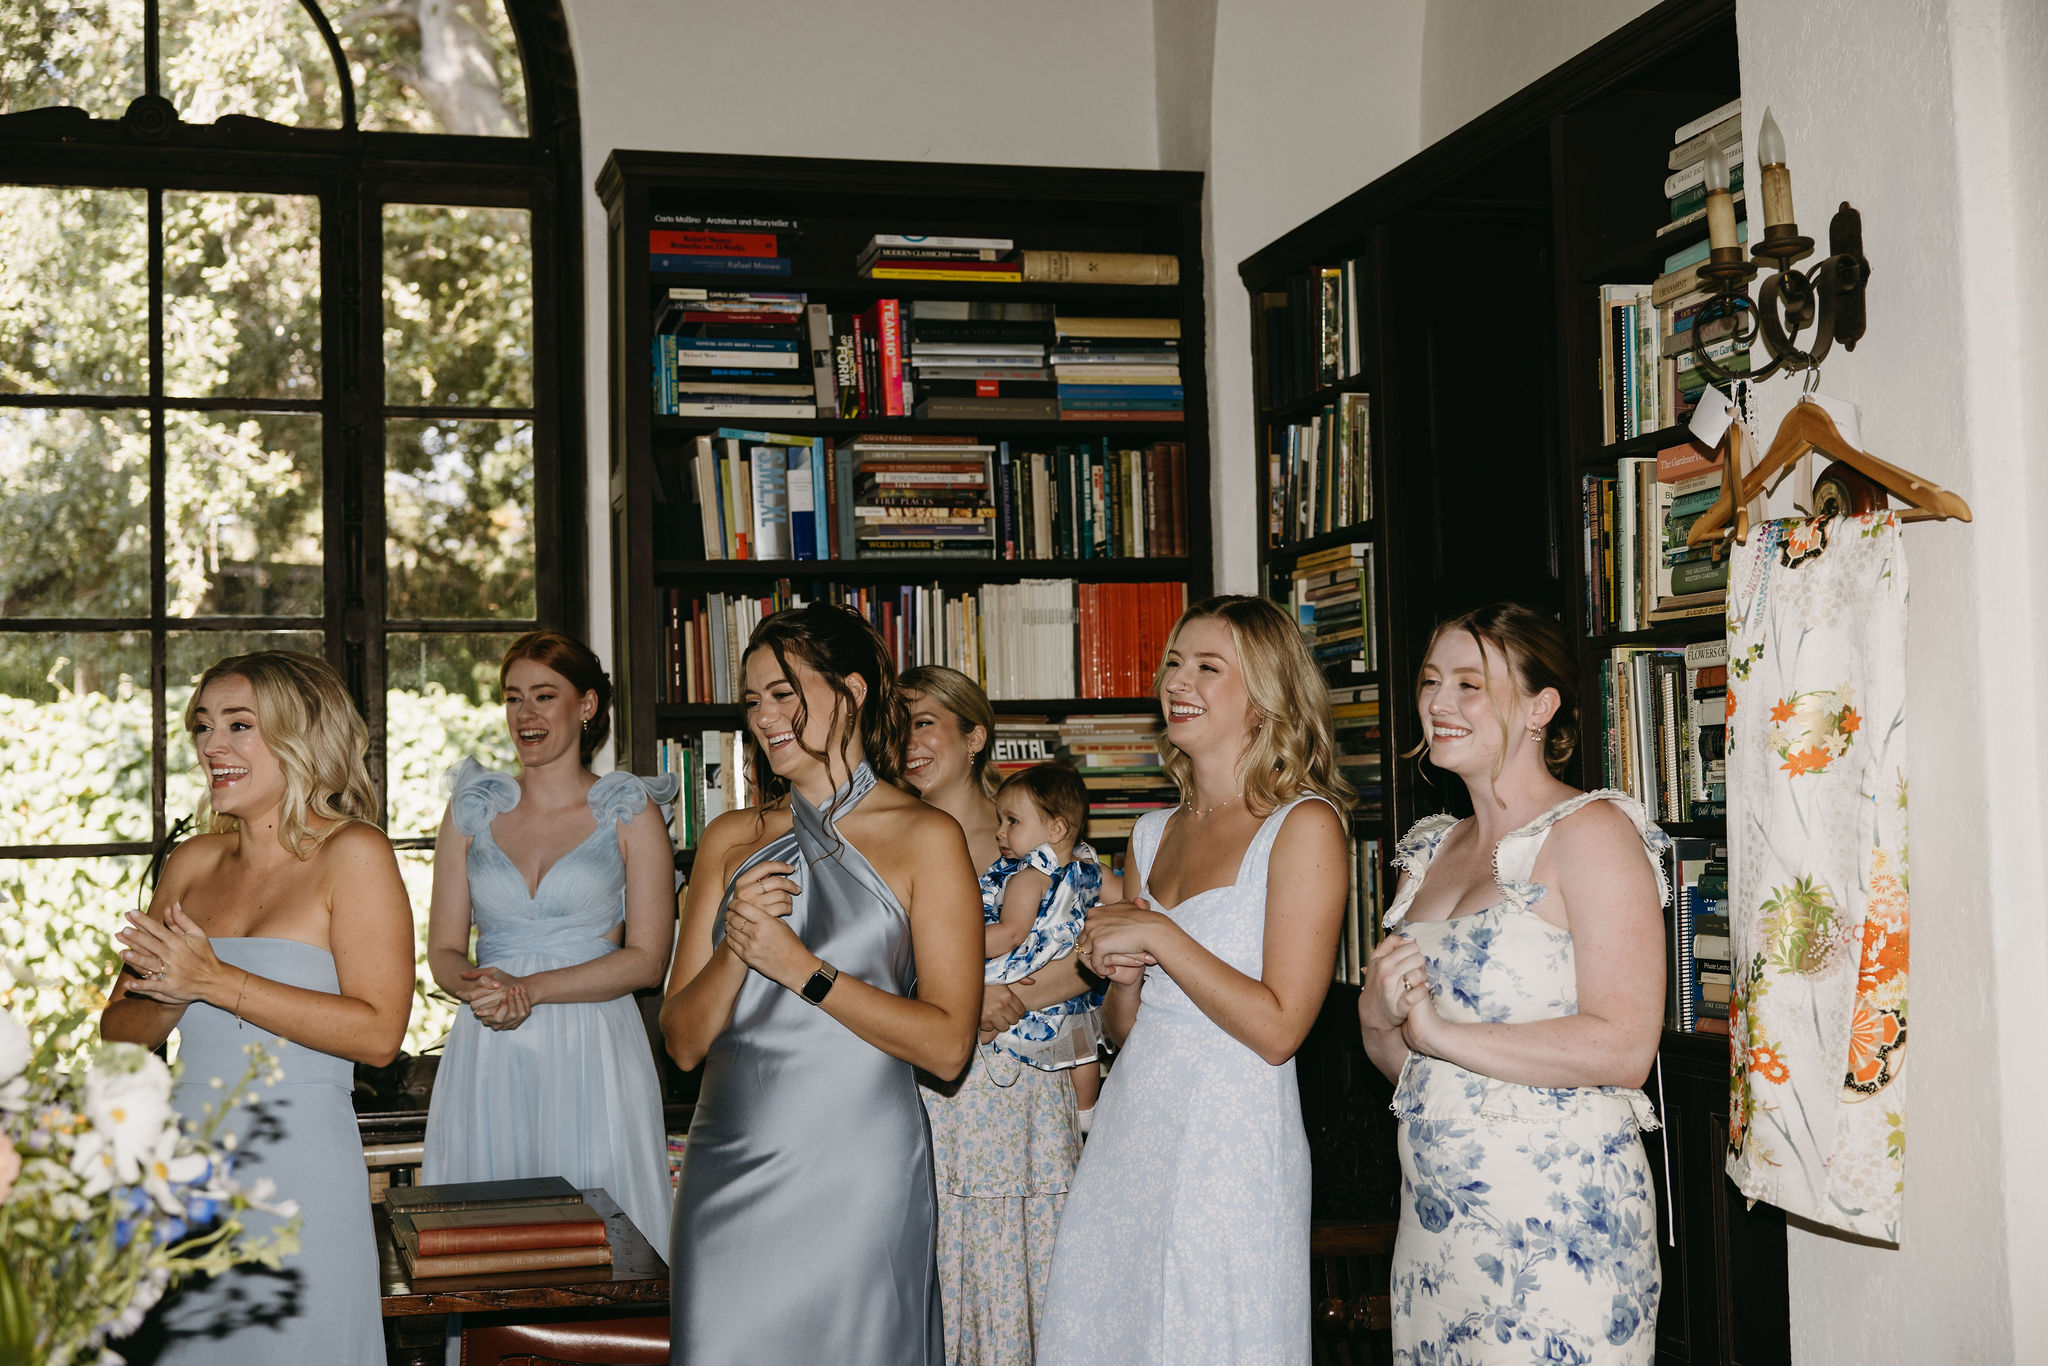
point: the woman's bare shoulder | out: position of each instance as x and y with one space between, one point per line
192 859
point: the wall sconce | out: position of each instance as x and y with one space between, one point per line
1828 298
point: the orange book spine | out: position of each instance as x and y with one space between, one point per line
497 1263
446 1242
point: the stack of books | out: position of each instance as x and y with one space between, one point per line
926 497
1686 187
1022 742
1124 628
1659 720
1310 335
911 256
490 1228
1091 500
1634 525
1332 598
1701 976
720 244
733 353
1355 723
1319 472
1118 760
1117 369
973 361
1362 911
711 769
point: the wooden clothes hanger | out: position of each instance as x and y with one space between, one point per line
1807 428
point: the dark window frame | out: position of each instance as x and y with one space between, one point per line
353 174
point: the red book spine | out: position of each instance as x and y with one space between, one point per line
694 316
669 242
449 1242
892 356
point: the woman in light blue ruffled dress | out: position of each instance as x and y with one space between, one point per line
569 881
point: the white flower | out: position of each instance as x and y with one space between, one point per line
15 1050
165 1168
148 1291
128 1100
263 1195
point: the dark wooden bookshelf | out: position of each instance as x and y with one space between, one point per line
1478 449
1361 533
841 204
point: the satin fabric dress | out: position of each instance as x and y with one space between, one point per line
805 1226
571 1092
321 1308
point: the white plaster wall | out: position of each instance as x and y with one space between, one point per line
1906 108
1053 83
1310 101
1476 53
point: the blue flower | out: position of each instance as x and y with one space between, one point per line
202 1210
1434 1211
170 1231
1624 1319
124 1232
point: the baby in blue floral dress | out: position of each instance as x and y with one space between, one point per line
1035 900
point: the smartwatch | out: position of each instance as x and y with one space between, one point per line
820 983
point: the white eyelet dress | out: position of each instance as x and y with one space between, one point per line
1528 1221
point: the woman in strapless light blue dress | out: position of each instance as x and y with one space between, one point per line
831 947
286 926
569 881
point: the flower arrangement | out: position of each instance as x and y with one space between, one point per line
107 1199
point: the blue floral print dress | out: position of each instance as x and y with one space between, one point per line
1528 1222
1063 1035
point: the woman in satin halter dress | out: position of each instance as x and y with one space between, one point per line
569 880
830 948
1185 1236
1517 1002
286 920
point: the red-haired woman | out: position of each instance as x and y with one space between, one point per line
569 881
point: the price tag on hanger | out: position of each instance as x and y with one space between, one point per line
1710 418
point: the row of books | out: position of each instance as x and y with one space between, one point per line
1034 639
1664 717
999 260
1362 911
1701 966
712 777
1319 472
756 495
1331 595
1310 334
762 354
1117 757
488 1228
1634 523
1355 725
689 243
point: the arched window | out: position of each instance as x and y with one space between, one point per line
290 355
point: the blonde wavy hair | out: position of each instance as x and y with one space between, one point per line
1292 752
307 719
962 696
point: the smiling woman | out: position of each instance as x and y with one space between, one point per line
567 879
287 915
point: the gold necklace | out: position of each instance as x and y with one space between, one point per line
1205 810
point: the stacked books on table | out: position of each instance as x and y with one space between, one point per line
1117 369
1332 598
1118 760
912 256
733 353
984 359
720 244
1701 968
1635 522
1355 723
489 1228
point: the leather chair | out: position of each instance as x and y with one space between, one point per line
639 1341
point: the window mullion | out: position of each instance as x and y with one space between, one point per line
159 672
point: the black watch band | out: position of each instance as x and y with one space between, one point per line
820 983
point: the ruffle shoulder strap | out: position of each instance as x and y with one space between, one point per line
478 795
619 796
1412 855
1514 859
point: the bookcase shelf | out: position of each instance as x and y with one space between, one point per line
839 205
991 428
1479 446
1357 534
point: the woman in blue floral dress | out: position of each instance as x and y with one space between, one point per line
1518 1003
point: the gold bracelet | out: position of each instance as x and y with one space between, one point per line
238 997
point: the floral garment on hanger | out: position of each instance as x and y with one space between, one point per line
1817 858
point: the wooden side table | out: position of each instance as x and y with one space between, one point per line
415 1326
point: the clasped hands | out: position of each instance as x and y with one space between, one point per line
1395 992
757 925
499 999
172 959
1122 939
